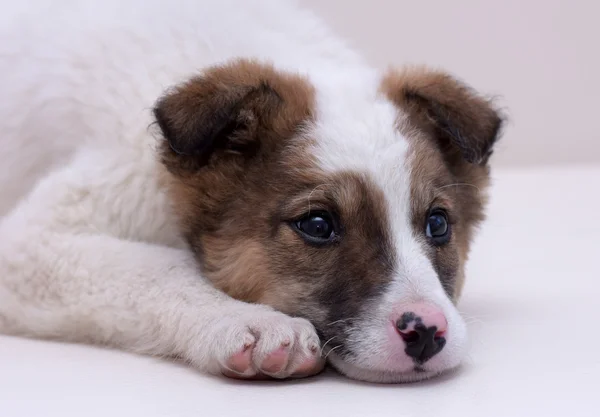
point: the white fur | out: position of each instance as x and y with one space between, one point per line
88 247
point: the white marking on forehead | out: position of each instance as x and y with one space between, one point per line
355 129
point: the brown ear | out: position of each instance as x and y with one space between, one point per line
228 109
447 108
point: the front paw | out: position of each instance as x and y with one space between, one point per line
260 343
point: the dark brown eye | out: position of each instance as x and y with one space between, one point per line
437 227
316 227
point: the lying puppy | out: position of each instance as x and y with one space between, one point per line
228 183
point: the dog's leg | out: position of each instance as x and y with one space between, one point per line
79 285
146 299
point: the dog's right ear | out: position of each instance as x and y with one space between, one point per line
234 109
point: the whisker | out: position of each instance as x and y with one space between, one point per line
472 320
462 184
325 344
311 193
459 184
340 321
331 350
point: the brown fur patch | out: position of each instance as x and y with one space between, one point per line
451 131
222 128
219 125
259 257
449 111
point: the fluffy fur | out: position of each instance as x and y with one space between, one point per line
156 160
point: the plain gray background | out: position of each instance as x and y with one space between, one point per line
541 57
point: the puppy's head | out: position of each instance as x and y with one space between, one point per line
349 203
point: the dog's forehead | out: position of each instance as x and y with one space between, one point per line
358 132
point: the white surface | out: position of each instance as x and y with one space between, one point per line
531 300
539 56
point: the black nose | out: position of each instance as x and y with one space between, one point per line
422 343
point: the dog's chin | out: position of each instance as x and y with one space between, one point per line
414 374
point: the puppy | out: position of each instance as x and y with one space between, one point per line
228 183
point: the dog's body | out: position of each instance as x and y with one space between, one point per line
100 205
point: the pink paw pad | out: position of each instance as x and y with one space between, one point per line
241 361
276 360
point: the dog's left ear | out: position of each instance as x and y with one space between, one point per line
449 110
